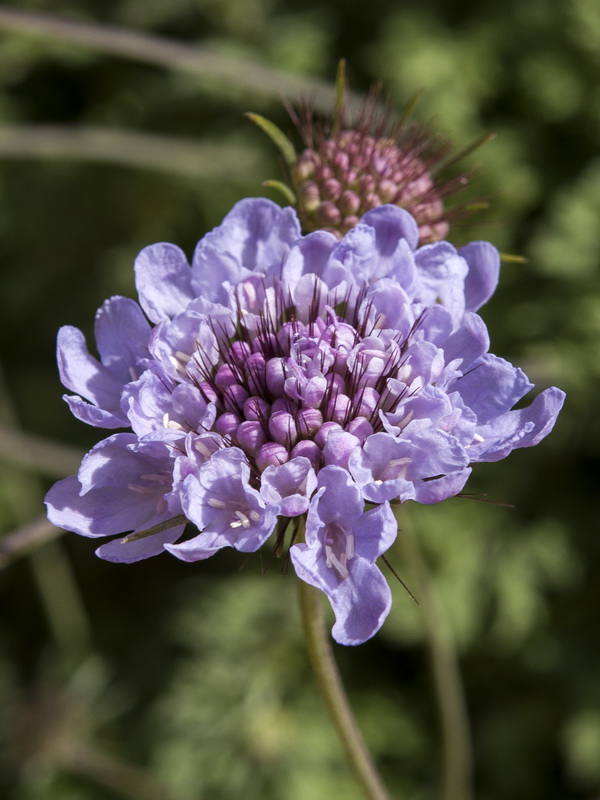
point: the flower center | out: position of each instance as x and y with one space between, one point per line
283 388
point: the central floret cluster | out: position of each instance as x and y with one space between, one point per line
313 388
287 376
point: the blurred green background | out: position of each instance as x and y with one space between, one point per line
190 682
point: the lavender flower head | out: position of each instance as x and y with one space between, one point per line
284 378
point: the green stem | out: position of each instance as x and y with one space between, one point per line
456 737
332 689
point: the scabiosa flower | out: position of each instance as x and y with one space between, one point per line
286 379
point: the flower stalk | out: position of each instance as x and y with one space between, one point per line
454 722
331 686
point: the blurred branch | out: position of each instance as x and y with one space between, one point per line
51 568
150 151
39 455
114 774
245 74
19 542
456 735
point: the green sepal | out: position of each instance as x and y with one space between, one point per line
410 107
276 135
487 137
479 205
283 188
510 258
340 92
162 526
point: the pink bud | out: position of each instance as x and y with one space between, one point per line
227 423
250 436
271 454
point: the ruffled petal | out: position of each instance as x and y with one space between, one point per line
484 269
523 428
434 491
163 280
122 334
491 387
441 277
99 512
82 373
360 603
130 552
380 246
92 415
257 233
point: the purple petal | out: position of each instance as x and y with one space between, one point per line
360 603
311 254
391 306
221 501
469 342
381 245
523 428
484 268
122 334
434 491
491 387
392 224
380 468
375 532
337 501
201 547
92 415
257 233
148 546
99 512
84 374
213 271
289 486
441 276
163 280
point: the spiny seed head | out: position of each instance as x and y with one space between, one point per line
352 163
344 174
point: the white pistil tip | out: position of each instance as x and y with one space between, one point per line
404 374
349 546
170 423
242 520
333 561
203 449
178 365
181 356
135 487
477 437
397 462
213 502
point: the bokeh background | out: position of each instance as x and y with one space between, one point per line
190 682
